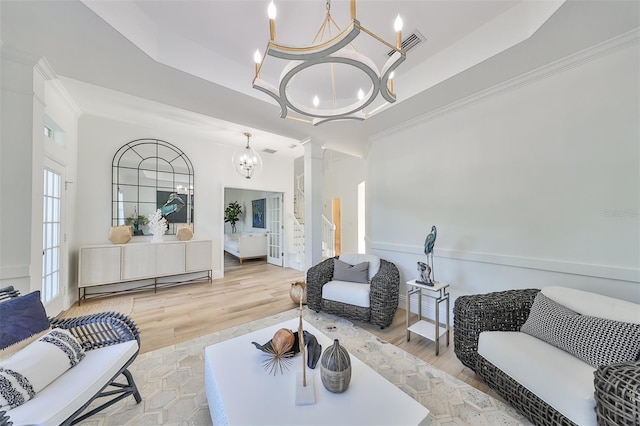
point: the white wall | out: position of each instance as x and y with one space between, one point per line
29 92
22 104
532 186
100 138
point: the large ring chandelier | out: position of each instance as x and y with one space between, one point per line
337 50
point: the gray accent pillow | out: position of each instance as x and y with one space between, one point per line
596 341
359 273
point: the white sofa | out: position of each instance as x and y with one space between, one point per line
541 349
111 342
246 246
62 401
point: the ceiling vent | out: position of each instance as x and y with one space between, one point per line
412 40
269 151
293 145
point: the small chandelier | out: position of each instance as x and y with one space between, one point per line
337 50
246 161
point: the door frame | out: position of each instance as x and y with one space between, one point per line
278 224
265 194
57 304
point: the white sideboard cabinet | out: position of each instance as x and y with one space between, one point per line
111 264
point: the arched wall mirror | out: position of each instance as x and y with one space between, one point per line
151 174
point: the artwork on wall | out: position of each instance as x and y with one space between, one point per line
258 212
173 206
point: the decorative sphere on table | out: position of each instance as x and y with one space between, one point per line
335 368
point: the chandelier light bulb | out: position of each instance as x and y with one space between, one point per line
271 10
360 95
397 25
257 57
316 101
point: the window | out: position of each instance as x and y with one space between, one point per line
51 235
48 132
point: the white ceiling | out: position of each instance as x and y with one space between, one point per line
190 62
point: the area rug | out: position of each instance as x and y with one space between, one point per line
171 380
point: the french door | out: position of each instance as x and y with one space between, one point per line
52 238
274 230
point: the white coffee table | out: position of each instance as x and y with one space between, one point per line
241 392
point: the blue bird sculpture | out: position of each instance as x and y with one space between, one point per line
430 240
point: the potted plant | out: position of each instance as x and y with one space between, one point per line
232 214
137 220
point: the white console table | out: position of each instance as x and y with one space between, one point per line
431 331
117 263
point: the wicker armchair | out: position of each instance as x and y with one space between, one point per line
94 332
383 295
617 387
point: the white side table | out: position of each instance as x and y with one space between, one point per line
429 330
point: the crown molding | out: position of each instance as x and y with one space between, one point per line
608 47
59 88
44 68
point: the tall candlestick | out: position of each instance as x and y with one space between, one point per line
271 11
398 27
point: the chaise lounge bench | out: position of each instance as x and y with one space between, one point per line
556 354
110 342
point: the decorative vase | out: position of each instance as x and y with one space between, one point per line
298 290
120 234
335 368
184 232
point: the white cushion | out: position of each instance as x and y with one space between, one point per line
593 304
347 292
56 402
355 258
555 376
30 370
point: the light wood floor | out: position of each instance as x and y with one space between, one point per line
249 292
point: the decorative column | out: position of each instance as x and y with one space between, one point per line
313 174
